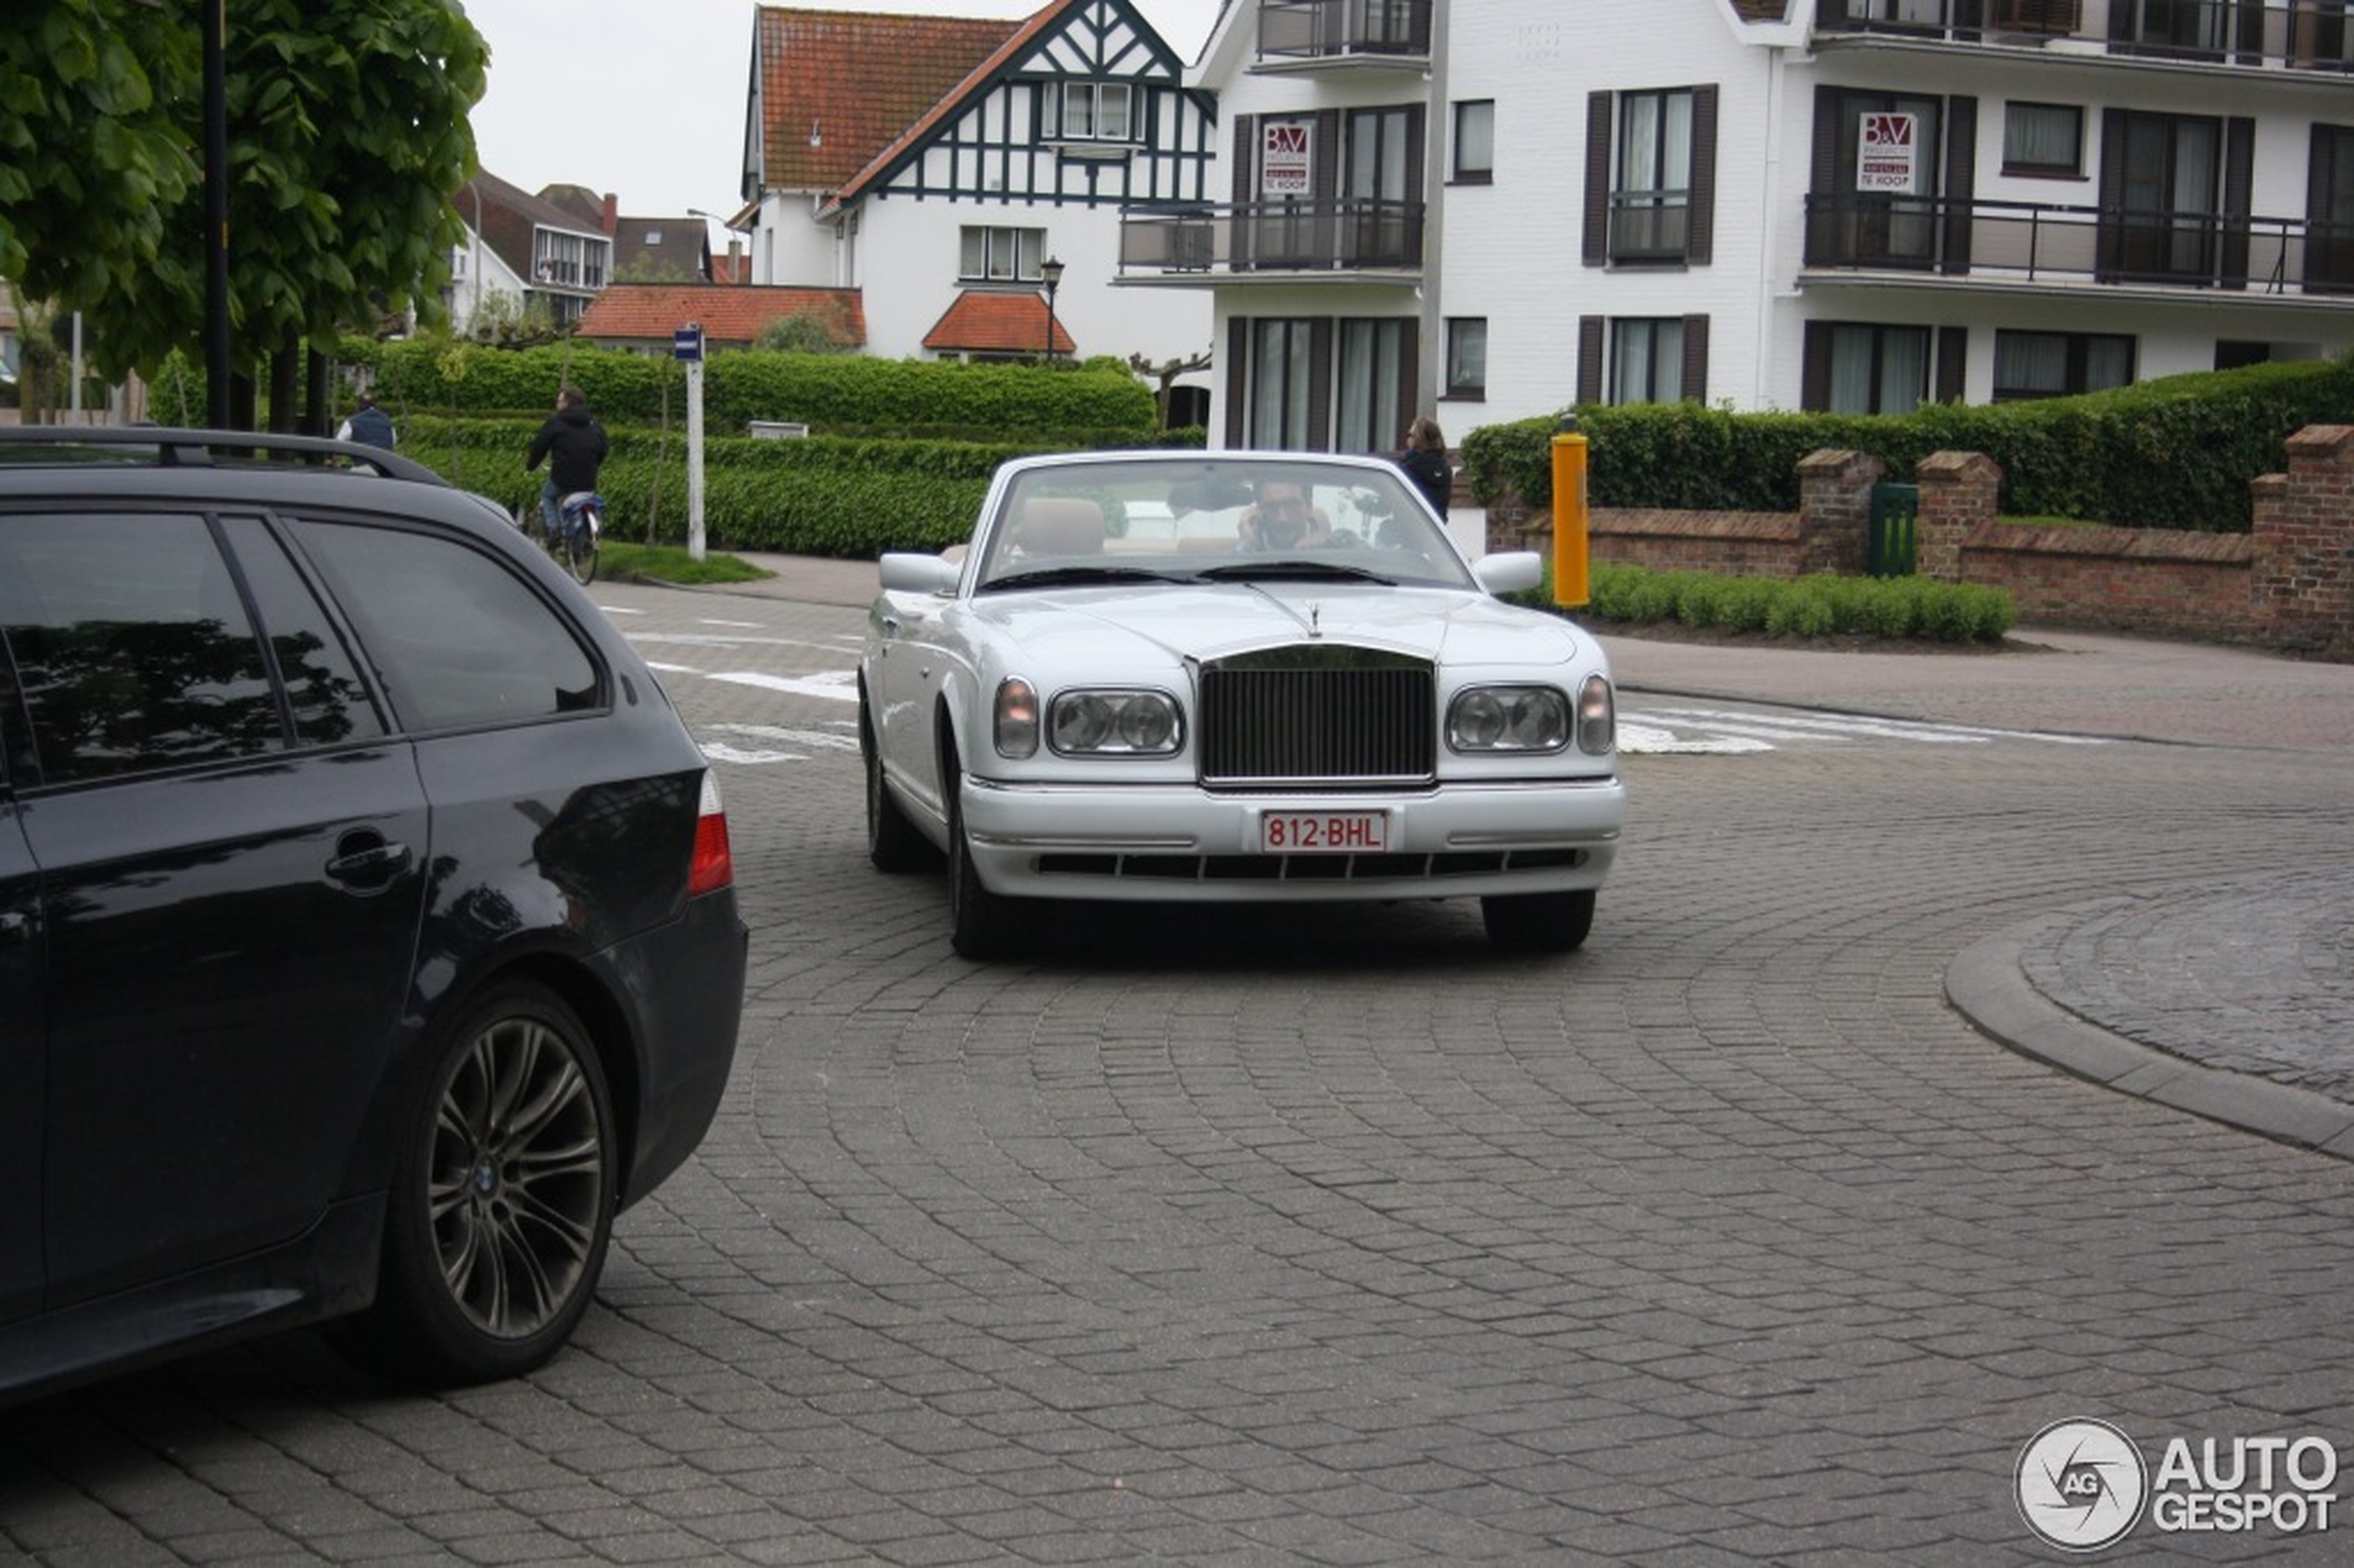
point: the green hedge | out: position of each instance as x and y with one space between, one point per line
1818 605
1094 404
2177 453
819 496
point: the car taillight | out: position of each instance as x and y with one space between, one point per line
714 866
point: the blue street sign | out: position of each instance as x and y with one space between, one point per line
686 342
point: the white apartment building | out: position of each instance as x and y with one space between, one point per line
1489 209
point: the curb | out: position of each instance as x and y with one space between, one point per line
1988 986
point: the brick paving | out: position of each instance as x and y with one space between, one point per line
1338 1238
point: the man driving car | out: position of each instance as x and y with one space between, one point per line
1282 517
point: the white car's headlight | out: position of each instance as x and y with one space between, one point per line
1016 718
1508 718
1114 723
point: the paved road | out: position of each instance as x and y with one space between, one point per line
1338 1238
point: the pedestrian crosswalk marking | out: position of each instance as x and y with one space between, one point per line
1647 731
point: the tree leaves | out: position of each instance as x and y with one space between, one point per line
348 137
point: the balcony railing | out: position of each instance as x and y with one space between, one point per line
1274 236
2282 35
1650 226
1324 30
2040 242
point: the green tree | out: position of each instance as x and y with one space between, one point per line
807 331
347 134
97 148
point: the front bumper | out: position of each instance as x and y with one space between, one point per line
1164 843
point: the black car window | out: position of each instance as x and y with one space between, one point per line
325 697
455 636
132 647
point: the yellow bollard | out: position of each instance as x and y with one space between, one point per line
1570 585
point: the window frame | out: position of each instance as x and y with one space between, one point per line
1662 359
1056 116
1462 332
2026 169
2077 349
992 237
1459 172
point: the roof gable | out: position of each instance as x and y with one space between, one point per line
1092 39
835 87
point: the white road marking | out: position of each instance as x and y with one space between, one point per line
1643 739
1678 731
843 739
840 686
1787 726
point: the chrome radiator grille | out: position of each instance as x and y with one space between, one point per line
1318 715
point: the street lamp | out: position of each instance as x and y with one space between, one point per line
1050 272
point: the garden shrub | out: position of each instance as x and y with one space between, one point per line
1821 604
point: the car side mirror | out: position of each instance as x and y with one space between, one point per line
906 571
1510 571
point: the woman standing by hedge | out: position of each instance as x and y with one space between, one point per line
1424 460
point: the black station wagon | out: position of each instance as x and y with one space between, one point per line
368 929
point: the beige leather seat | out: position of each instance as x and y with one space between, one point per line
1060 525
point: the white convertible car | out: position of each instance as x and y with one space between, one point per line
1239 676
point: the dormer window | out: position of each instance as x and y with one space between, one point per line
1089 111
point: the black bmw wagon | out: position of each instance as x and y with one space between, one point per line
368 929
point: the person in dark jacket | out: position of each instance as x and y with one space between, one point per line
369 425
573 443
1424 460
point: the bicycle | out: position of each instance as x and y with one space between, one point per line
581 523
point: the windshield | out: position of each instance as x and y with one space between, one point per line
1223 518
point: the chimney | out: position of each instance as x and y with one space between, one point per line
734 260
613 214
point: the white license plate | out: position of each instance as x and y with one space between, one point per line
1323 832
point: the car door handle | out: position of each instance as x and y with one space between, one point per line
366 864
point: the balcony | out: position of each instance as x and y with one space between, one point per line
2281 35
1394 34
2038 243
1278 237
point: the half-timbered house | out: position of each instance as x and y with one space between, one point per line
1012 171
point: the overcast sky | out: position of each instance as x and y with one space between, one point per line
646 99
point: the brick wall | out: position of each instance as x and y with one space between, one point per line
1743 544
2163 580
2288 584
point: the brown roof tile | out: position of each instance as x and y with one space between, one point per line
996 323
730 315
1022 38
837 87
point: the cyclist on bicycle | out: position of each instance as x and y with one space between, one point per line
575 445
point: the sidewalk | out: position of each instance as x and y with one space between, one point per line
2153 996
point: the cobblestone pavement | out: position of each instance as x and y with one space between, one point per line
1340 1239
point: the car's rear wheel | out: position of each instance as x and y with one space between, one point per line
892 842
503 1199
982 925
1554 922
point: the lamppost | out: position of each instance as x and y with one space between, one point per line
1050 272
